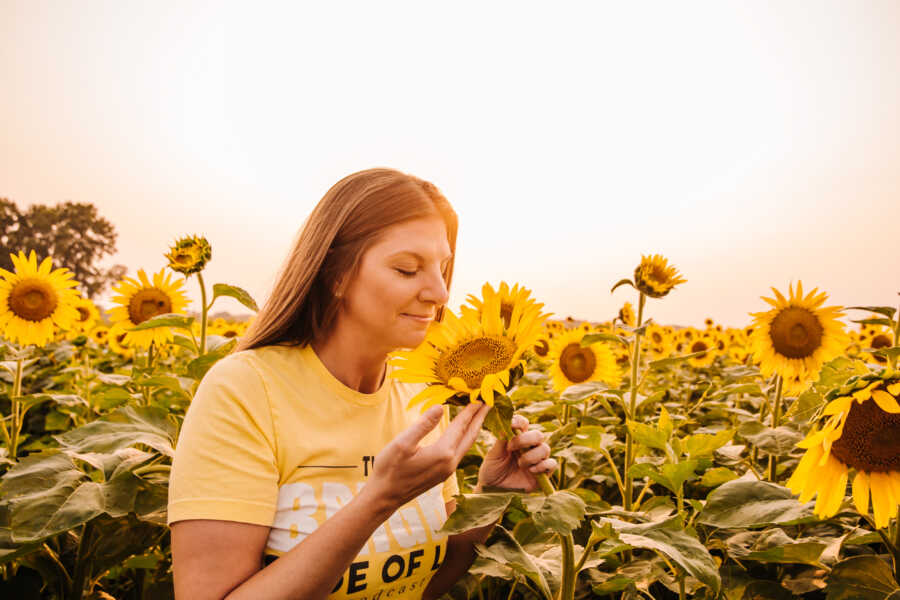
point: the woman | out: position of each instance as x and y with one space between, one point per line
299 445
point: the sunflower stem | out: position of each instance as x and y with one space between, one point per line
203 311
776 417
567 584
632 401
896 339
17 414
895 551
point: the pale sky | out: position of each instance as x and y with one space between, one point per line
752 144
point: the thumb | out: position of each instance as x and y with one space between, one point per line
413 434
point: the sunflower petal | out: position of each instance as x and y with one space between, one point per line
885 401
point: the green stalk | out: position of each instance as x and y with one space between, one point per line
567 583
562 461
895 551
81 560
203 311
632 401
776 418
16 425
896 338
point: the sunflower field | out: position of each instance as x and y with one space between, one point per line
695 462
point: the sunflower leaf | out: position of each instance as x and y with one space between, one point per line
621 282
166 320
666 362
239 294
750 503
885 322
887 311
198 367
603 337
578 393
861 578
888 353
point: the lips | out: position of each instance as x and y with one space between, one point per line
419 317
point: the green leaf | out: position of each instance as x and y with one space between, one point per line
887 311
668 538
749 503
861 578
779 441
647 435
704 444
679 473
883 322
592 338
561 511
737 389
507 551
774 546
478 510
672 360
889 353
198 367
578 393
122 429
594 436
239 294
621 282
718 476
166 320
498 419
805 406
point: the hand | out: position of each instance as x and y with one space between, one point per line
403 469
513 465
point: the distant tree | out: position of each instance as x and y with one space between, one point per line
72 233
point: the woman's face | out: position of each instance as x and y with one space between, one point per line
399 285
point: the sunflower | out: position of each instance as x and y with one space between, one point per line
862 432
542 346
659 340
470 355
626 315
654 277
100 334
573 363
189 254
796 337
88 316
34 300
879 341
141 300
116 340
705 344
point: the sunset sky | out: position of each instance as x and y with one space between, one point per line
752 144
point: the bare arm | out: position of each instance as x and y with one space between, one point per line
221 559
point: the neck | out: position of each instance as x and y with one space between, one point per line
347 359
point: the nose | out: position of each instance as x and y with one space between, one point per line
435 289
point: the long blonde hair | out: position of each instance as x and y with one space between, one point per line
347 220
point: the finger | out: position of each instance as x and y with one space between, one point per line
545 466
534 456
460 424
412 435
471 433
529 439
519 422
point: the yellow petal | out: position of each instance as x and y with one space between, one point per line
885 401
861 492
881 499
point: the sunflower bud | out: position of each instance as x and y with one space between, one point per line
189 254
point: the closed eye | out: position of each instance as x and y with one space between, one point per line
405 273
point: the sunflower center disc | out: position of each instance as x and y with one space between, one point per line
474 359
147 303
541 348
33 299
796 332
870 440
83 314
184 258
577 363
699 346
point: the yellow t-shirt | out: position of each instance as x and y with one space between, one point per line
273 438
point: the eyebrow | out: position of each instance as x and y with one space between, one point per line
418 256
